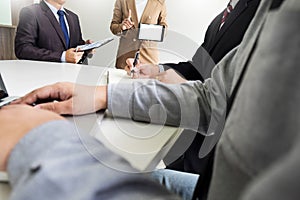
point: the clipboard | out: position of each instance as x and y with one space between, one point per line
88 47
94 45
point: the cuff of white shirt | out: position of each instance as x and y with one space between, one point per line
63 57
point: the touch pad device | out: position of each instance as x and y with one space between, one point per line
151 32
4 97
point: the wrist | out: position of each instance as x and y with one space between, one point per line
101 98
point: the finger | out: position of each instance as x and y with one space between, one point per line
129 62
89 41
62 108
72 49
79 53
127 69
38 94
127 24
58 91
129 15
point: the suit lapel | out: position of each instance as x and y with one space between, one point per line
215 29
244 52
53 21
238 10
71 26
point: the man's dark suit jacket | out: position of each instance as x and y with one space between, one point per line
39 35
217 44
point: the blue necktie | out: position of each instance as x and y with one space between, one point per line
63 26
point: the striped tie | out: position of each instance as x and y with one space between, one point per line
228 10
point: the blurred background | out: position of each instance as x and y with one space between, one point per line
187 21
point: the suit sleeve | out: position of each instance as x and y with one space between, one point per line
189 105
116 22
26 40
54 161
185 69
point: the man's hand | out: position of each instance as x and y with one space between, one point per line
67 98
72 56
127 23
142 70
17 121
152 72
170 76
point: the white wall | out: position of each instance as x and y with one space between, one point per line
5 14
188 20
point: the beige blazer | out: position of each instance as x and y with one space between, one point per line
154 13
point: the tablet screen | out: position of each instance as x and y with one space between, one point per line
151 32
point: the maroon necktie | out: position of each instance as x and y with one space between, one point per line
228 10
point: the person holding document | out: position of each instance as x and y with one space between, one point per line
49 32
126 18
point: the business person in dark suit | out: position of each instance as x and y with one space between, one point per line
219 39
48 32
221 36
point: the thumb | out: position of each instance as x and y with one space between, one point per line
57 107
129 62
129 14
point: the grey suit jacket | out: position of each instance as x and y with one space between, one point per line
259 149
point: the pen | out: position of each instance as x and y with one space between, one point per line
136 58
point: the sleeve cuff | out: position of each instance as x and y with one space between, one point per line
63 57
118 104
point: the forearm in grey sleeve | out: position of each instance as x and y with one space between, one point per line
54 162
193 105
185 105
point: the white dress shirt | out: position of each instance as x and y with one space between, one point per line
140 7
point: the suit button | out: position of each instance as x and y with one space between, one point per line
134 40
35 167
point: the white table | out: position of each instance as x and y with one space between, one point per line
143 145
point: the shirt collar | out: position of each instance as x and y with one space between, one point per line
233 3
53 9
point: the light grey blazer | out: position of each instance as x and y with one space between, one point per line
258 156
